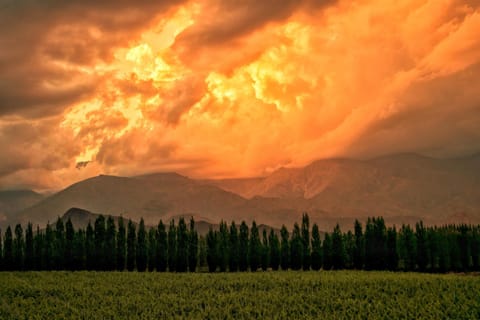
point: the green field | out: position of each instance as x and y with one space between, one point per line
261 295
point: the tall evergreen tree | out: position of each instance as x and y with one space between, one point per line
90 247
327 252
29 250
349 243
141 250
284 248
59 245
234 249
162 248
202 252
49 247
38 249
79 250
18 248
172 246
338 249
110 245
455 251
223 247
444 263
243 243
192 247
422 246
212 250
8 250
433 248
69 245
306 242
464 242
296 248
476 248
1 252
254 248
131 245
152 249
407 248
392 258
265 251
274 250
316 248
359 252
100 258
182 246
121 245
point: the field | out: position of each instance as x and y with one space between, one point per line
267 295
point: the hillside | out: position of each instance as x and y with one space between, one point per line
403 188
14 201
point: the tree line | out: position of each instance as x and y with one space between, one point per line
108 245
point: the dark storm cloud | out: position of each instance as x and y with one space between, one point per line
45 44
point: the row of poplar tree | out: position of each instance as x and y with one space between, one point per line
119 245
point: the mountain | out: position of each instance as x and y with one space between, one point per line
13 201
403 188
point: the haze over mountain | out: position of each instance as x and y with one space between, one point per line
402 188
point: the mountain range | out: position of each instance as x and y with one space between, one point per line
403 188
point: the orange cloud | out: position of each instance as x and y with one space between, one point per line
227 88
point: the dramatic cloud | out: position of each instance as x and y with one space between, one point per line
231 88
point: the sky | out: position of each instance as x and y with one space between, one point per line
223 88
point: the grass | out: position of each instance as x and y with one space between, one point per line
261 295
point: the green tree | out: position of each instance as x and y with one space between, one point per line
359 251
223 247
392 258
69 245
274 250
327 252
1 252
265 251
338 249
59 246
99 239
407 248
182 246
18 248
8 250
306 242
202 252
172 247
296 248
38 249
131 245
254 248
243 260
316 248
110 245
444 263
234 248
476 248
152 249
349 243
162 248
79 250
192 247
284 248
141 249
90 247
29 252
121 245
422 246
433 248
212 250
464 243
49 247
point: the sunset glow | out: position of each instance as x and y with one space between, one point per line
232 89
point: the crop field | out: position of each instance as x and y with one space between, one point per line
261 295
